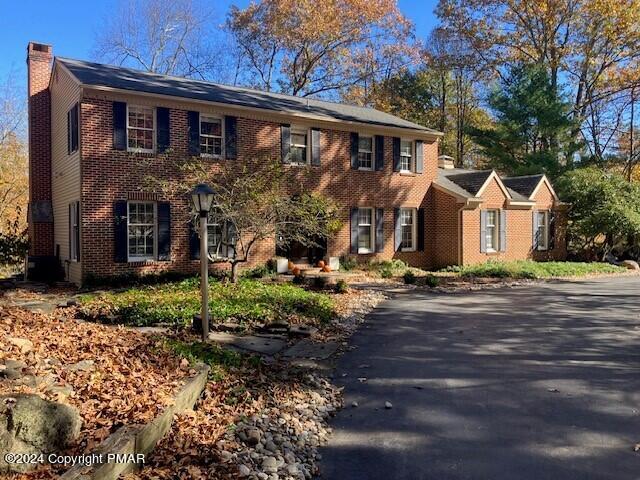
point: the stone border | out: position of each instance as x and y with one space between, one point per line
139 439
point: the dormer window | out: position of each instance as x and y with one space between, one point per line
140 128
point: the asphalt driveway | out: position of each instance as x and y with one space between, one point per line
538 382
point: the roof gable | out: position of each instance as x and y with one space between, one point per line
471 181
524 185
121 78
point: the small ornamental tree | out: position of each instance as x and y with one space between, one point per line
261 200
604 213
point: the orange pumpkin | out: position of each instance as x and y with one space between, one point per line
295 271
321 264
291 265
326 269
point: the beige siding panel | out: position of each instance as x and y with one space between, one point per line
65 173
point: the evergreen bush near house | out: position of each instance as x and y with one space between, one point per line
409 277
348 263
431 281
341 286
247 301
386 272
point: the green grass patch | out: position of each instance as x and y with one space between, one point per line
248 301
534 270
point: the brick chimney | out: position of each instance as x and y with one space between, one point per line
40 216
446 162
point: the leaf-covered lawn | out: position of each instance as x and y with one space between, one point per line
248 301
534 270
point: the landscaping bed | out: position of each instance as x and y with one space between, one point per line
247 302
113 376
528 269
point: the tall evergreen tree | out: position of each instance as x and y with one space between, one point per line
533 127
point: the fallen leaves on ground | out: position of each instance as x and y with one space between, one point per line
128 377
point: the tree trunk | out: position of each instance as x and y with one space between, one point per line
234 272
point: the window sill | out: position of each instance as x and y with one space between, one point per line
208 156
365 251
407 249
362 169
407 173
141 261
140 150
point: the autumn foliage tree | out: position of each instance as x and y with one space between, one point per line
307 47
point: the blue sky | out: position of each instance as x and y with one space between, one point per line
70 26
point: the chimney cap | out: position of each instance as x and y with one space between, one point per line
38 49
446 162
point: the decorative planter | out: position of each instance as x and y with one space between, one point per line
334 263
282 265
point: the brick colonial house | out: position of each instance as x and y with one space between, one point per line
95 131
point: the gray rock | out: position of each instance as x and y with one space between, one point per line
253 436
244 471
292 470
82 365
388 405
24 344
271 446
29 424
354 404
269 465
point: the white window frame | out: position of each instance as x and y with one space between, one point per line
543 240
153 129
74 224
412 158
372 231
372 152
212 222
200 135
495 237
414 229
145 258
307 133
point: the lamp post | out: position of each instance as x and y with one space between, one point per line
202 198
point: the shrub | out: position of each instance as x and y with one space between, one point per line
386 273
431 281
259 271
341 286
348 263
409 277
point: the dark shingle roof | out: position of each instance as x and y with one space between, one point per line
524 185
96 74
469 180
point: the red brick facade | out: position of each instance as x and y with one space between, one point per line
451 227
39 103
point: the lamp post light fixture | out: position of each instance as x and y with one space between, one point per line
202 198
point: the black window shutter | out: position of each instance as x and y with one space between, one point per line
230 137
379 229
379 139
552 230
315 147
285 143
71 234
164 129
68 132
397 237
164 231
354 230
120 231
75 114
193 119
194 240
354 150
77 232
419 156
119 125
396 154
421 229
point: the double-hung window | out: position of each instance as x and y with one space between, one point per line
141 231
365 230
542 235
141 125
211 136
74 231
299 142
493 230
215 233
406 155
365 152
408 227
